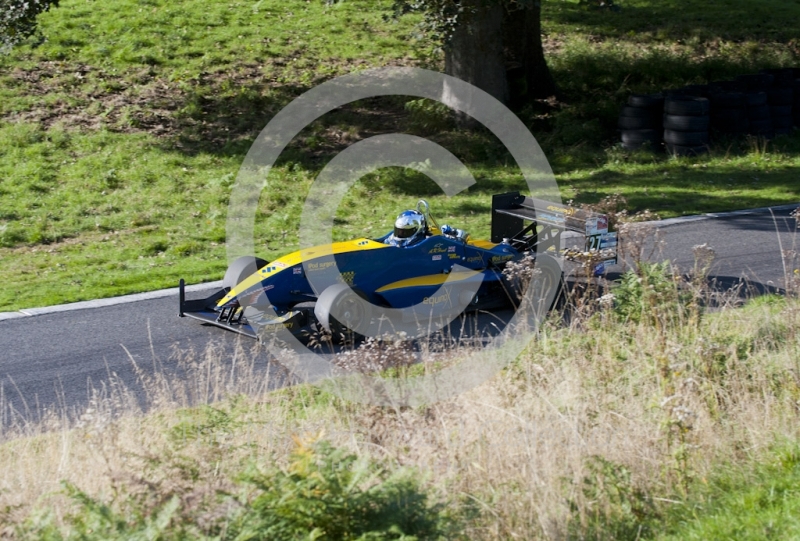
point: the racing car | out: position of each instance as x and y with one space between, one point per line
417 272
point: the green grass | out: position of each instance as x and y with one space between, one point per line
121 133
761 502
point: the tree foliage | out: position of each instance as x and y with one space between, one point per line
442 17
18 20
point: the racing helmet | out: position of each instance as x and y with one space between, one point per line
409 227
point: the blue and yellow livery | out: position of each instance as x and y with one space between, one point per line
439 273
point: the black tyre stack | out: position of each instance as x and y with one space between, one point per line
758 111
640 121
780 97
796 99
686 124
758 115
698 91
728 107
763 104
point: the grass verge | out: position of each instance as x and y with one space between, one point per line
644 417
119 146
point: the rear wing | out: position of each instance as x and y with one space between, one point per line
527 224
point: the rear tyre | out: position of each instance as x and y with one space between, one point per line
340 310
547 284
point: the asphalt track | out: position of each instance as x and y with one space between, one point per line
52 360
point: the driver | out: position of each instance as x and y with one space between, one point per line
409 228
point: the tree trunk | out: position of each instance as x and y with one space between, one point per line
475 52
529 76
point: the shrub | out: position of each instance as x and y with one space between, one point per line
328 494
647 292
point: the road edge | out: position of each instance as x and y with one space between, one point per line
112 301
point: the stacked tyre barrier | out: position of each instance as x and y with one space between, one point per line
780 97
758 111
729 110
640 121
762 104
796 102
686 124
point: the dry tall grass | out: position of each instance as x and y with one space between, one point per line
595 425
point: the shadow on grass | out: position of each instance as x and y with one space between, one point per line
683 19
692 190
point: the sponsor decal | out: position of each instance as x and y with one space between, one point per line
273 326
438 249
437 258
439 299
608 240
321 266
454 256
501 258
555 218
280 264
569 211
597 225
252 298
475 259
363 242
347 277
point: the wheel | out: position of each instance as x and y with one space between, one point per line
783 76
686 123
240 269
681 150
730 121
758 112
762 127
780 96
653 102
686 138
547 285
643 122
341 310
634 139
756 81
780 111
700 91
727 86
686 105
639 112
727 100
756 98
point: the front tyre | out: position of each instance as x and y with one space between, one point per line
240 269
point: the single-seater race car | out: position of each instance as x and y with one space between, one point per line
417 272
